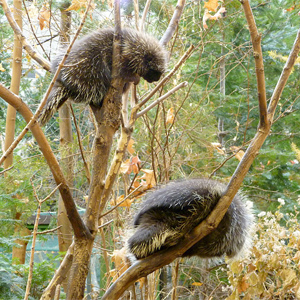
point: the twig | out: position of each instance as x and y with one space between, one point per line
50 230
166 78
30 50
6 170
287 69
86 167
38 111
112 209
105 224
34 236
259 64
163 97
33 31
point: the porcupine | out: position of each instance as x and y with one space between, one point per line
171 211
86 74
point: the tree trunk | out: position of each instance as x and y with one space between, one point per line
18 252
66 139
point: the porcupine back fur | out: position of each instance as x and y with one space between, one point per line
171 211
86 74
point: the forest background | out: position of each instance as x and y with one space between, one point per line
201 130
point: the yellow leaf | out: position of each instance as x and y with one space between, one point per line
211 5
1 68
289 277
149 177
125 166
130 148
239 153
236 267
120 260
197 283
44 16
170 116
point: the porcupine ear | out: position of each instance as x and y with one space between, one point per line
56 99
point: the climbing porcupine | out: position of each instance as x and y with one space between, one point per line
171 211
86 75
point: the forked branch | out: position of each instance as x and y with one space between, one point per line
145 266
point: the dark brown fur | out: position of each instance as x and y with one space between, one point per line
170 212
86 76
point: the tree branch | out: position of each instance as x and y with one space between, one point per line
259 64
22 108
143 267
173 23
30 50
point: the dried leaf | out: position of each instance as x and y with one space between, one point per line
243 285
130 148
149 177
1 68
44 16
211 5
239 153
121 265
218 147
126 203
197 283
170 116
126 167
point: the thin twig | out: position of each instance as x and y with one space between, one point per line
105 224
163 97
42 104
186 55
6 170
86 167
112 209
18 32
49 231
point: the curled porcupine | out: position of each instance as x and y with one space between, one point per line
86 75
171 211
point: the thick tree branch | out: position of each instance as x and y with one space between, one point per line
22 108
146 266
173 23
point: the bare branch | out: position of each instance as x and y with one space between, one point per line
284 77
160 99
60 274
136 13
37 132
86 167
166 78
145 12
173 23
259 64
49 231
30 50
